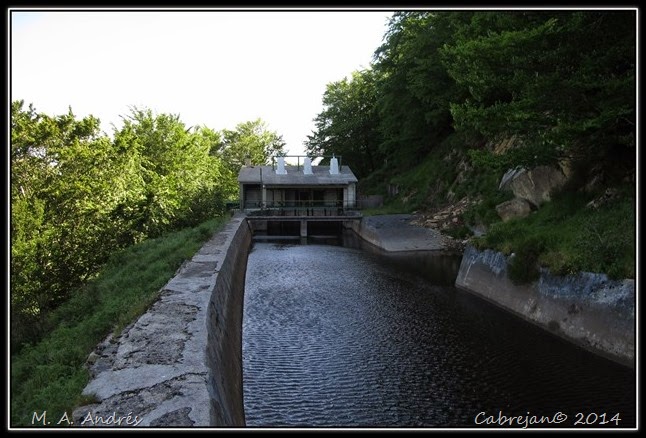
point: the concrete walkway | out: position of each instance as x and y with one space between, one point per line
394 232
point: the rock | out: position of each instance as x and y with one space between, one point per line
515 208
537 184
92 358
607 196
176 418
566 167
508 177
478 230
503 146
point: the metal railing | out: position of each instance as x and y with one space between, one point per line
301 208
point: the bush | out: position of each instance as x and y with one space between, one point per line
523 266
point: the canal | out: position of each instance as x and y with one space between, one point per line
339 336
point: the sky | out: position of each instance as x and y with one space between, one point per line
215 68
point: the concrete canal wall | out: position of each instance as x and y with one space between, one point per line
180 364
588 309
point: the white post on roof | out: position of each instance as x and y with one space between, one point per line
281 166
307 166
334 166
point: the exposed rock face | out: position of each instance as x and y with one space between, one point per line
508 177
504 145
515 208
445 218
534 185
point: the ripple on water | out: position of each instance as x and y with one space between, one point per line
336 337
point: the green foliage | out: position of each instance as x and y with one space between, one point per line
527 156
459 232
562 82
250 140
62 188
609 243
347 126
78 196
484 212
523 265
414 89
375 183
49 375
566 237
176 174
425 185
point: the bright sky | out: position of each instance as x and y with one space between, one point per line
215 68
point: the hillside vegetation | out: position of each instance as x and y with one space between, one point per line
49 375
78 196
453 101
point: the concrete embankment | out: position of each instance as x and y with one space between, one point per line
394 232
180 364
588 309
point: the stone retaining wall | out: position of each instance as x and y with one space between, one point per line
179 364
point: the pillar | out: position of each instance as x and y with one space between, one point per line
264 196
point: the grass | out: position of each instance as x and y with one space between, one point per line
566 237
50 375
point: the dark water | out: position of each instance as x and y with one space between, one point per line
339 337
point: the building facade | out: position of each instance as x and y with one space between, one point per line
300 189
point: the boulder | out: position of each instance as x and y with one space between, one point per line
515 208
537 184
508 177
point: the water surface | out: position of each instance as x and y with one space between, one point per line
339 337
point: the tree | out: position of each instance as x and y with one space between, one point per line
348 125
61 189
77 196
250 140
562 82
414 89
176 172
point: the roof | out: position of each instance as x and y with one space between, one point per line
295 176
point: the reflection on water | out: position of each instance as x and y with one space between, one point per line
337 336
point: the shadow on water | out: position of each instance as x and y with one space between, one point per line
437 267
357 337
